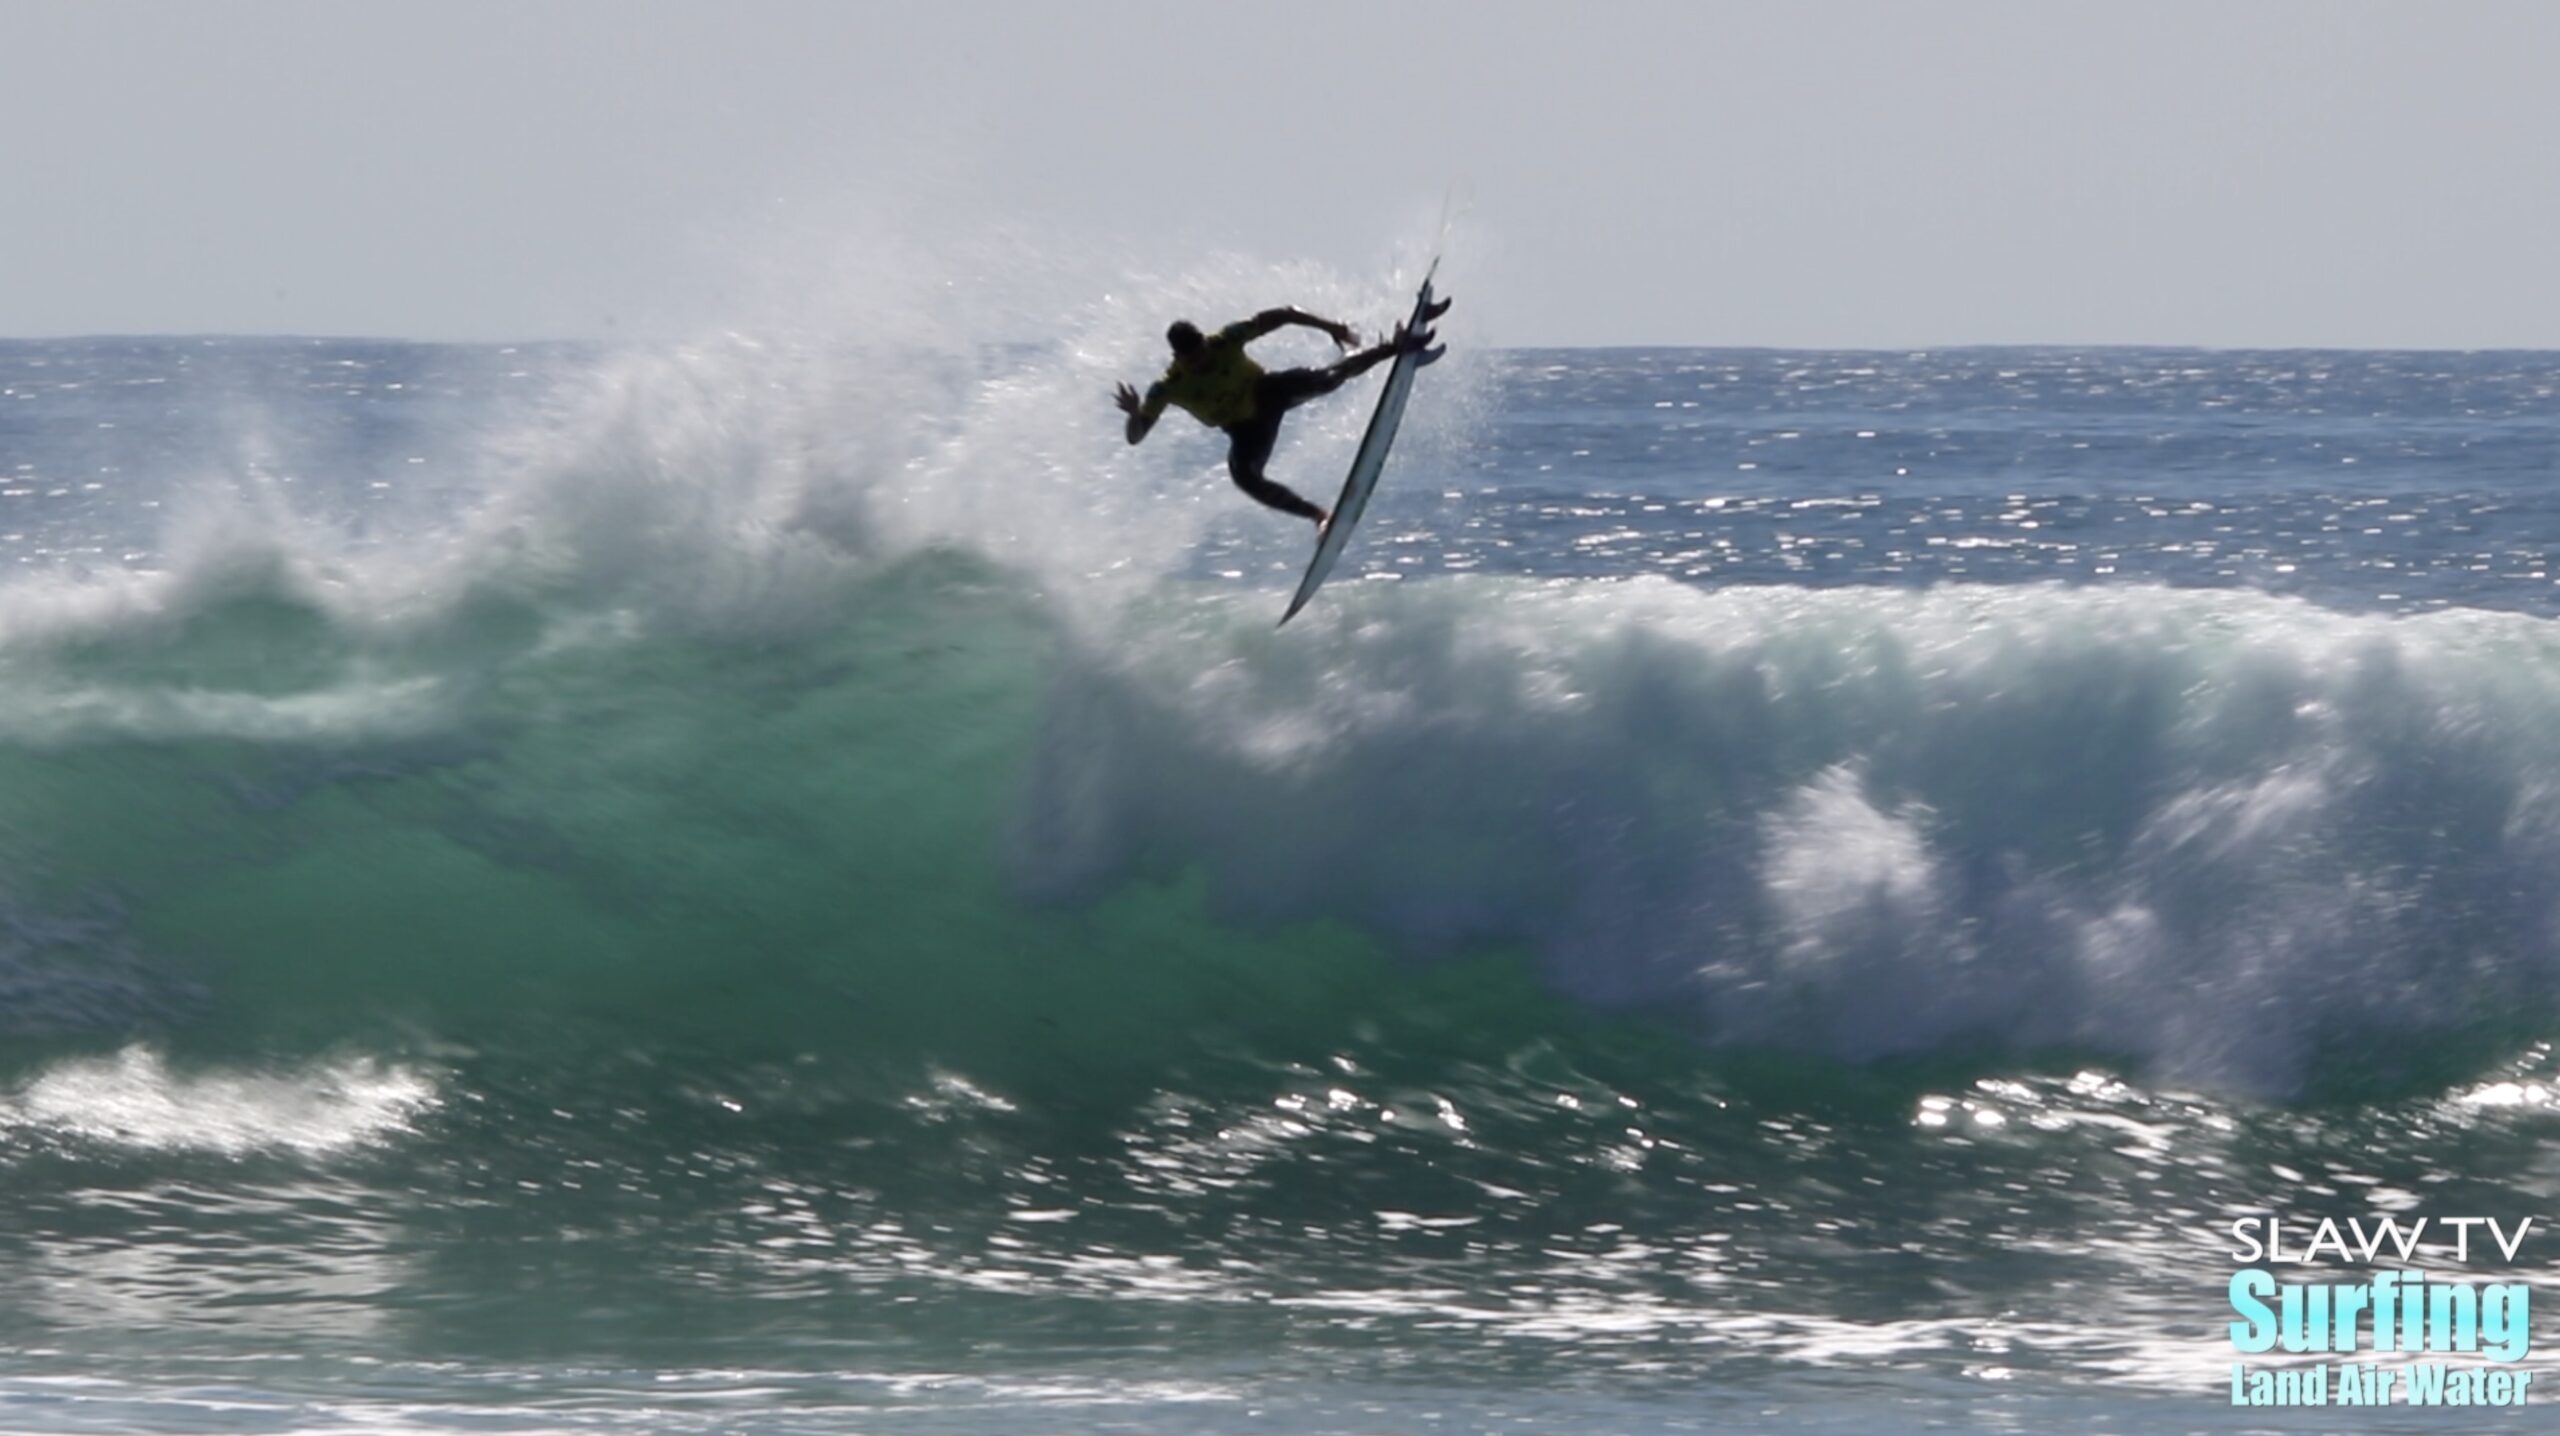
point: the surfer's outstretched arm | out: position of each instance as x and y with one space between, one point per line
1142 413
1271 319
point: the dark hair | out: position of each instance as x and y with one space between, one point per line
1184 336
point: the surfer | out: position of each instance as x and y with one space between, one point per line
1214 381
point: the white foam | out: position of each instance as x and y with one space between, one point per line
747 481
134 1099
2210 831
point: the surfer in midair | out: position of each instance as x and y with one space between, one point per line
1213 380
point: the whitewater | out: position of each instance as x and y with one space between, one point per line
789 882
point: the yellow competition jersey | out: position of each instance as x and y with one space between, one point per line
1215 388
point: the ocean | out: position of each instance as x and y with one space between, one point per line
789 883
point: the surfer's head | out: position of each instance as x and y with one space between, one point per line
1185 338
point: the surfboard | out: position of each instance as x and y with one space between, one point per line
1372 456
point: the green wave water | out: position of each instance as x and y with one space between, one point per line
954 827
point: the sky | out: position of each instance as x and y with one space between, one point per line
1889 175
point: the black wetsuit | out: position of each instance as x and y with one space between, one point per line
1249 443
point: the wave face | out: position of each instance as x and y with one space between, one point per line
2220 836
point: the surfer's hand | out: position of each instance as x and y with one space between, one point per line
1127 399
1344 335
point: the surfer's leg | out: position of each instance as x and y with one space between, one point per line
1342 371
1281 390
1276 496
1248 449
1285 389
1336 375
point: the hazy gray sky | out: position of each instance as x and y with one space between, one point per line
1790 174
